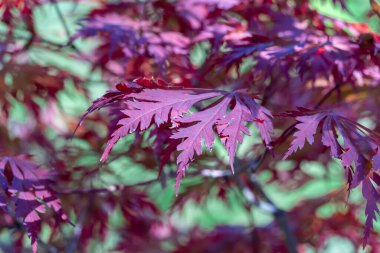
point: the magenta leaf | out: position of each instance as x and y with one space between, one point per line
226 117
132 38
157 105
232 127
353 152
261 116
28 186
373 197
306 130
329 137
202 129
123 89
376 160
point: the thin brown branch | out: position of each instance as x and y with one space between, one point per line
326 96
108 189
264 203
61 18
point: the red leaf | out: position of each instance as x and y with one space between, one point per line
28 185
170 106
371 209
232 127
306 130
357 140
161 106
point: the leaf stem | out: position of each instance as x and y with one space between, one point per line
109 189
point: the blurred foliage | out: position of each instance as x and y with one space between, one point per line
212 212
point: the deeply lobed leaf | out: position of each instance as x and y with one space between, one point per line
26 185
353 152
226 117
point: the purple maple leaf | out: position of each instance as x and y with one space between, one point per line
376 160
154 104
371 209
27 186
357 140
306 130
170 107
232 127
133 37
194 134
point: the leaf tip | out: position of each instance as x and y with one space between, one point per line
232 169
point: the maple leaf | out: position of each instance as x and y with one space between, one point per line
132 38
294 51
306 130
240 49
31 204
158 105
194 134
357 140
28 187
261 116
313 56
170 106
163 146
353 134
123 89
373 197
232 127
376 160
